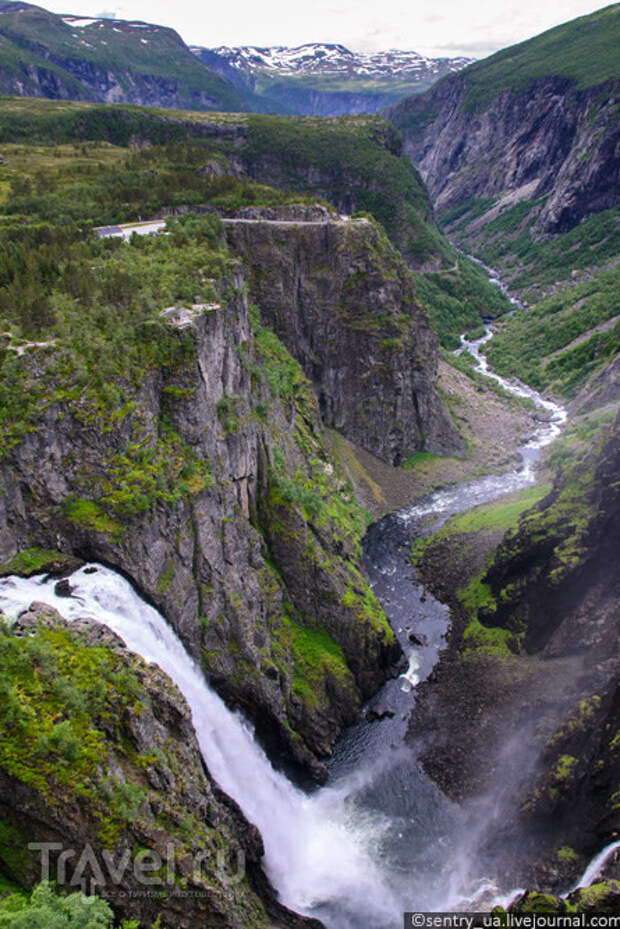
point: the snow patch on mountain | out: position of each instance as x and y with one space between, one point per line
333 59
78 22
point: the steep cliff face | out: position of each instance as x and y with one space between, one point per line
356 164
546 575
549 140
101 760
602 388
191 487
76 80
555 581
522 712
533 121
344 304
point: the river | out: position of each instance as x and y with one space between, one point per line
380 838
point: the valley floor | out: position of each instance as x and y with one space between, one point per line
494 427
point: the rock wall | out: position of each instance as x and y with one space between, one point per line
524 726
547 140
344 304
547 574
295 638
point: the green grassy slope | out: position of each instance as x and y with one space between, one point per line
356 159
359 159
506 241
559 343
584 50
78 56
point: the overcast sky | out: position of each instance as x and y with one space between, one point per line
431 27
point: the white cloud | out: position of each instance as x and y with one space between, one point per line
449 27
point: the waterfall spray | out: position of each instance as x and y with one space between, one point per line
316 853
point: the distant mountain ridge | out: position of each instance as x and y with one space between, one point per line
334 59
98 59
326 79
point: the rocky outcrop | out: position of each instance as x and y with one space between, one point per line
600 389
344 304
358 166
548 140
132 810
521 715
293 636
546 575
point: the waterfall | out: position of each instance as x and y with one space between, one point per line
317 853
325 854
596 866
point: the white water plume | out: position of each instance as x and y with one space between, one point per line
316 851
596 866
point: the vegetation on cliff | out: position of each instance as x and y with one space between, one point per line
360 169
553 547
95 304
173 414
90 736
356 163
46 907
532 657
564 339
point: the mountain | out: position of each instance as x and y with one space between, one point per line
534 122
195 410
75 58
520 156
325 80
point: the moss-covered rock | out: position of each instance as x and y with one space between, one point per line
542 719
601 899
545 570
31 561
99 753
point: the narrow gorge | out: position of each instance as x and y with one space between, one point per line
309 501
